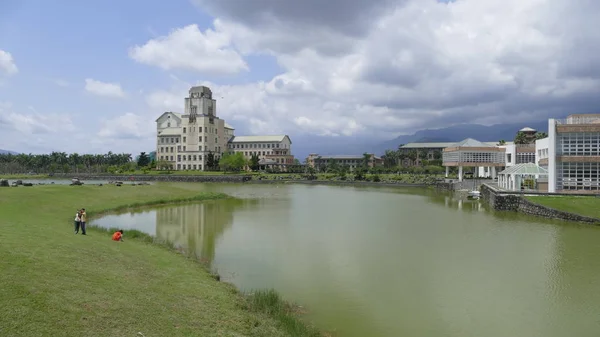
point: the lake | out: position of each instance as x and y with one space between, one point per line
375 261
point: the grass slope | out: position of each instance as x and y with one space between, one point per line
55 283
586 206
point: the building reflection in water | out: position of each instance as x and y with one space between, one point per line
195 228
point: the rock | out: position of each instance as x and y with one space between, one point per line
4 183
27 184
19 182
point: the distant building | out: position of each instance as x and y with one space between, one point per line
475 154
271 150
431 151
184 141
351 161
573 154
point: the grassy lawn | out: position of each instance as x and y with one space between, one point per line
586 206
55 283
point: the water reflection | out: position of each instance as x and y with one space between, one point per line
396 262
193 228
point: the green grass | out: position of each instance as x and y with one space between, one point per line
55 283
586 206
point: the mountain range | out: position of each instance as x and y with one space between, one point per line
303 145
6 152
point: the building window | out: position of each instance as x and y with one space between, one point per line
178 147
194 157
162 140
171 158
184 139
169 124
194 166
200 129
578 144
575 176
184 148
179 166
509 158
179 158
184 157
184 132
171 149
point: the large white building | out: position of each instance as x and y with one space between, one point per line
185 140
572 154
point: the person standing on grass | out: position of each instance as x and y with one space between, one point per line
77 221
83 220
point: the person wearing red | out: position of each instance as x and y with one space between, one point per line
118 236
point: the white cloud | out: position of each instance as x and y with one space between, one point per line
127 126
413 64
33 130
188 48
103 88
7 63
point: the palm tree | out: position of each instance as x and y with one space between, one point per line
541 135
520 138
502 142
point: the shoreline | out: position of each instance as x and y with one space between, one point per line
230 178
285 312
261 310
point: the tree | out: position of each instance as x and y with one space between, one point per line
164 165
143 160
541 135
502 142
253 163
521 138
390 159
232 162
210 161
412 155
437 155
366 160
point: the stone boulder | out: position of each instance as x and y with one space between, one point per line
4 183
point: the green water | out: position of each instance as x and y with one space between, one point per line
394 262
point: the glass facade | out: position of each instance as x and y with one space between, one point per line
474 157
577 176
578 144
525 157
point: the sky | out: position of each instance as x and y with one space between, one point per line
92 76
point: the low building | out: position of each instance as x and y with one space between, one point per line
319 162
573 154
475 154
428 151
273 150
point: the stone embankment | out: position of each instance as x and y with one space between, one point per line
506 201
165 178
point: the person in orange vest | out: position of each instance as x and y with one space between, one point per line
118 235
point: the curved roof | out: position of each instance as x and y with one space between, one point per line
527 129
526 168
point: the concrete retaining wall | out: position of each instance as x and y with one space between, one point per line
503 201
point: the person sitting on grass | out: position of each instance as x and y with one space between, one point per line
118 235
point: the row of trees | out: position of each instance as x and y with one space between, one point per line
59 162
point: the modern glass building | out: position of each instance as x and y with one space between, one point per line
574 154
